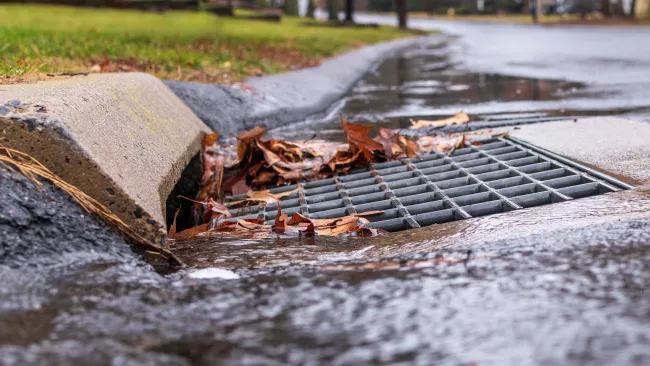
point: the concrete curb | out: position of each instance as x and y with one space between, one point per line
286 98
123 139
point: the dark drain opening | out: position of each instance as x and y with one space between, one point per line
188 185
498 176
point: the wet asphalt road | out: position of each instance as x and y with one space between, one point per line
567 288
500 72
603 55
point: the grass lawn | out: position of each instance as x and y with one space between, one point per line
37 39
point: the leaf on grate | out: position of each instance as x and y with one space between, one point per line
280 221
457 119
190 233
335 226
395 145
359 140
446 143
341 162
213 209
368 213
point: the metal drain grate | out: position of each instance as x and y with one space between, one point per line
501 175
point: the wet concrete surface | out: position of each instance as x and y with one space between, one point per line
559 284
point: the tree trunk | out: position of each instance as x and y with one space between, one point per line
291 7
311 8
431 7
606 8
333 10
401 13
349 11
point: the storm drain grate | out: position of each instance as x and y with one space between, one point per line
498 176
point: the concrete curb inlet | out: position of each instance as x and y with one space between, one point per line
123 139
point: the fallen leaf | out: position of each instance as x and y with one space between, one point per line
213 210
359 140
172 229
395 145
457 119
369 213
262 196
210 139
190 233
280 221
265 178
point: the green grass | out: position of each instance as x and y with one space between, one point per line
38 39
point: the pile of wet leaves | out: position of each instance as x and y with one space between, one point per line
253 165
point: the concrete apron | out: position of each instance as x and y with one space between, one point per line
123 139
617 146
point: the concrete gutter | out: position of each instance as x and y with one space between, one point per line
283 99
123 139
616 146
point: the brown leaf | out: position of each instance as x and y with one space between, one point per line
211 139
369 213
288 151
172 229
297 218
280 221
270 157
213 209
395 145
359 141
212 177
343 226
251 225
190 233
262 196
340 160
264 178
245 144
335 226
457 119
460 143
218 210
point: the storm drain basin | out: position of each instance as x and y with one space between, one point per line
496 176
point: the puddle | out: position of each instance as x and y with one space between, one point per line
426 83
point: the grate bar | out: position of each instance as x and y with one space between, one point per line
614 181
570 168
508 202
437 191
408 219
560 196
